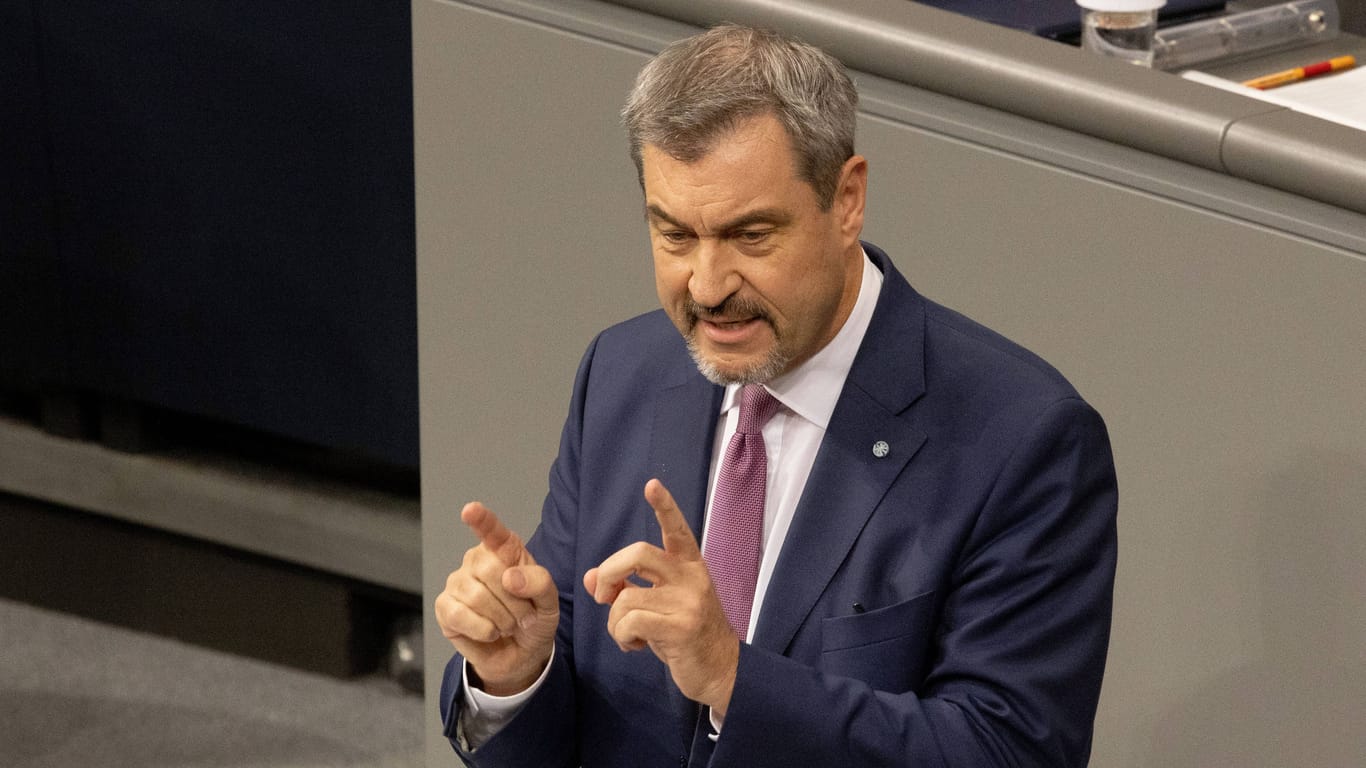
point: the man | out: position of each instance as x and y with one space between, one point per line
907 521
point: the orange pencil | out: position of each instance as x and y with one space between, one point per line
1300 73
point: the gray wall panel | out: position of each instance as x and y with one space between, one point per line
1227 360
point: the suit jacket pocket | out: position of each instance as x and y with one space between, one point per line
886 648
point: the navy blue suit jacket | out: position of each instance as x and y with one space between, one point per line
980 550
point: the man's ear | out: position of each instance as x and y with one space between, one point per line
850 196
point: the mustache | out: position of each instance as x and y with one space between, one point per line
733 307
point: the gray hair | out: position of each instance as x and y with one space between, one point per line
700 87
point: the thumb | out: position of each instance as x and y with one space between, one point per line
514 581
533 582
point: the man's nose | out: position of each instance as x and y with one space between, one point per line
714 276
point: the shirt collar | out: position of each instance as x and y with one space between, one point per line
811 389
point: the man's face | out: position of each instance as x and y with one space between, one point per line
752 272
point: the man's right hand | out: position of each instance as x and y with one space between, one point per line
500 609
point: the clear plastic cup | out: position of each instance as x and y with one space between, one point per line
1120 29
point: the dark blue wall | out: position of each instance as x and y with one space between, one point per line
208 207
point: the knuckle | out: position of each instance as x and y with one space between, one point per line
488 570
639 551
442 609
452 622
619 624
471 555
465 591
474 626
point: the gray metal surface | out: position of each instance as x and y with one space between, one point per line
1314 158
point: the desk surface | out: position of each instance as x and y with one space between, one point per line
1248 68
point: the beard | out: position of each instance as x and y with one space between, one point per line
773 362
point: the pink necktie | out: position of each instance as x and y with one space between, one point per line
735 530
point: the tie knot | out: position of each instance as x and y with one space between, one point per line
757 406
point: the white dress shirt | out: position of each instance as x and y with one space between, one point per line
808 394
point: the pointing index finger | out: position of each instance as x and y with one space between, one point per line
492 533
678 536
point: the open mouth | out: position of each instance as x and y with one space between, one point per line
735 321
724 331
731 323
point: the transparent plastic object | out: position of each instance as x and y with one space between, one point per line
1126 35
1120 29
1284 25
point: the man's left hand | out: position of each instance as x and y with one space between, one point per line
679 617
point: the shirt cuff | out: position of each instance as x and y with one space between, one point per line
484 714
715 724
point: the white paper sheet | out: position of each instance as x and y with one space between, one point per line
1340 97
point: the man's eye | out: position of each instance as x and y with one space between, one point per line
752 236
674 236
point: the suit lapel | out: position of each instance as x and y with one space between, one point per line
870 440
847 481
684 428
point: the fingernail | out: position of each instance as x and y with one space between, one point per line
527 621
516 581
